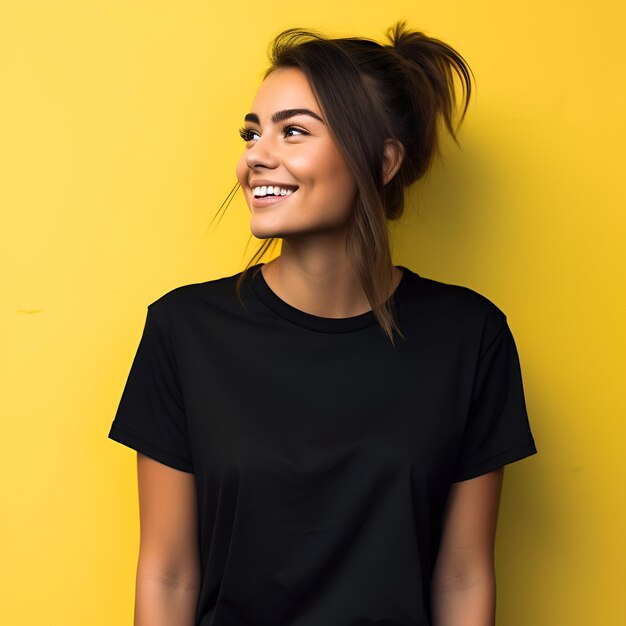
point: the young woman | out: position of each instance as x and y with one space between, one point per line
321 438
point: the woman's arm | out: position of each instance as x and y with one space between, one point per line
168 569
463 591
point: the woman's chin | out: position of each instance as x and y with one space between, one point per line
264 229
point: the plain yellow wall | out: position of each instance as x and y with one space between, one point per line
118 142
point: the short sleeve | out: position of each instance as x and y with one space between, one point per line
151 416
497 431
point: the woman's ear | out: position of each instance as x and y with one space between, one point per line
393 156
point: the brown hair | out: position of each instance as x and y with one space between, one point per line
401 90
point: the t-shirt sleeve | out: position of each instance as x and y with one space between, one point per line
497 431
151 415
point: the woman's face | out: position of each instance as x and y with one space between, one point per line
289 145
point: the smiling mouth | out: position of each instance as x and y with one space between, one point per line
262 191
270 199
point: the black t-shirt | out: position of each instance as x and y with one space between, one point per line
323 455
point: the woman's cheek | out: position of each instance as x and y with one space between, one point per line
241 172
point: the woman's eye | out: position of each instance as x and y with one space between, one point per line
247 134
288 129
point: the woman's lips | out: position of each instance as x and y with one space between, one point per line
269 200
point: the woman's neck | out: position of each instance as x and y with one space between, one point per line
326 289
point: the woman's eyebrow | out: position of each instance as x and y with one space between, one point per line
279 116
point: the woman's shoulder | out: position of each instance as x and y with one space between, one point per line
188 296
449 301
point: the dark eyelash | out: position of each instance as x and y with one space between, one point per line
247 134
286 128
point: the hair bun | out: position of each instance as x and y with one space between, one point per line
400 39
434 60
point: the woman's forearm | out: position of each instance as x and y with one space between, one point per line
163 603
472 603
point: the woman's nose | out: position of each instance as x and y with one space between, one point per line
262 154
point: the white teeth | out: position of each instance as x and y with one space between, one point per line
271 190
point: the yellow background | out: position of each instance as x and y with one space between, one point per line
118 142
